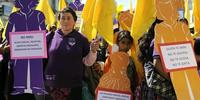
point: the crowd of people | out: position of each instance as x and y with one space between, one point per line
76 67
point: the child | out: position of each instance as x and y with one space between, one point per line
121 71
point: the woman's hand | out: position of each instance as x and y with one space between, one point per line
94 46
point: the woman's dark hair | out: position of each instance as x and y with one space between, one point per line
144 43
146 50
68 10
151 29
124 34
30 3
53 27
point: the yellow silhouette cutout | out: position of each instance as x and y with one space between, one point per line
185 82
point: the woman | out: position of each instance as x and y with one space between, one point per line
157 84
68 52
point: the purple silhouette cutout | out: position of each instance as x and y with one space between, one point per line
27 19
76 5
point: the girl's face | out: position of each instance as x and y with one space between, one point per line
67 22
124 45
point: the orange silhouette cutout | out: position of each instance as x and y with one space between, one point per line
116 78
125 20
185 82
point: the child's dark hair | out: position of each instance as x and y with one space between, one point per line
124 34
68 10
116 30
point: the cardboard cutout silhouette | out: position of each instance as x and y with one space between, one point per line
116 78
125 20
27 19
171 30
76 5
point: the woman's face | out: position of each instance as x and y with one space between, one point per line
67 22
124 45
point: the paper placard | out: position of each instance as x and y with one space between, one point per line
177 56
105 94
28 45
